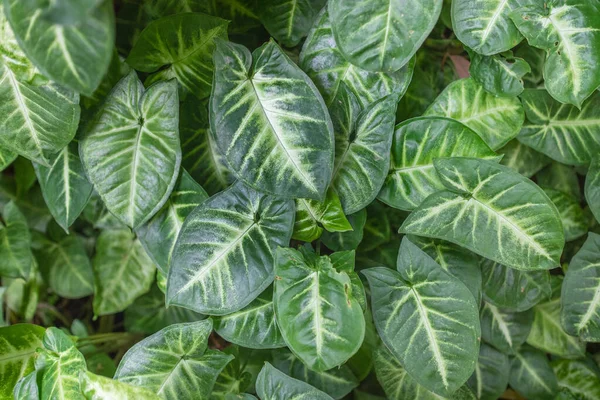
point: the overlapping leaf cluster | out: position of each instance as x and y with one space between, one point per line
286 199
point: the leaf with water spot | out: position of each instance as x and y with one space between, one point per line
427 318
317 311
492 211
131 151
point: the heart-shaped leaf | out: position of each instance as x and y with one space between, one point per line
223 258
17 353
390 35
131 152
317 311
495 119
436 341
270 121
493 212
415 144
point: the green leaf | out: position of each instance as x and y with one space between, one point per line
512 289
253 326
501 75
73 55
96 387
382 35
174 362
495 119
505 330
240 374
26 388
131 152
69 270
18 344
6 158
59 364
485 25
338 241
574 222
580 377
363 154
325 64
493 212
415 144
399 385
337 382
523 159
312 214
180 46
592 187
562 132
560 177
37 121
490 378
580 299
159 234
201 158
15 242
317 311
547 334
148 313
122 271
270 121
427 318
273 384
569 31
65 187
223 257
378 228
536 58
289 21
531 375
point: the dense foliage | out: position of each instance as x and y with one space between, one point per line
299 199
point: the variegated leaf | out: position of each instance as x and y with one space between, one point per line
427 318
223 258
490 378
122 271
485 25
64 184
317 309
73 55
512 289
560 177
159 234
505 330
493 212
175 362
536 58
580 377
339 241
580 298
337 382
288 21
273 384
495 119
592 187
531 374
18 344
6 158
569 31
15 243
253 326
362 153
323 61
36 121
562 132
96 387
26 388
60 363
131 152
270 121
180 46
547 333
574 222
523 159
382 35
416 143
501 75
312 216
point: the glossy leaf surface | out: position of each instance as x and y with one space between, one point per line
273 384
573 220
313 216
18 344
501 75
492 211
96 387
223 257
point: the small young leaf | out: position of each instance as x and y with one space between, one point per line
339 241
